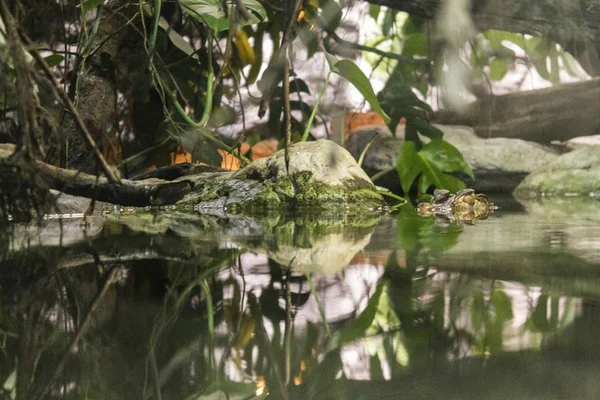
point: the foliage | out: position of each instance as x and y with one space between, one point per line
349 70
431 165
493 52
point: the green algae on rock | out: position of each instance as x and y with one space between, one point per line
573 173
320 176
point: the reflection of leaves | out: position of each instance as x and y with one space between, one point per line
539 316
414 230
498 69
359 326
502 305
432 165
477 311
502 313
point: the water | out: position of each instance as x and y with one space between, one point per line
172 305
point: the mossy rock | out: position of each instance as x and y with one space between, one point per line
320 176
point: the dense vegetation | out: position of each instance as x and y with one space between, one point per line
150 79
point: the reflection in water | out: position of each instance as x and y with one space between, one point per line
298 308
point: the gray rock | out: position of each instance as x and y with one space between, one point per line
574 173
497 154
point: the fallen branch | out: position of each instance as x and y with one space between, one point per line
148 192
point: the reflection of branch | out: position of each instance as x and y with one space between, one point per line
83 328
263 339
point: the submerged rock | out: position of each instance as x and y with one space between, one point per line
499 164
321 175
574 173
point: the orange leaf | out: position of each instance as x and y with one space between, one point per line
229 160
264 149
181 156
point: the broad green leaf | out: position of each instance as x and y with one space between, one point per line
211 13
331 60
349 70
432 163
415 44
496 37
374 11
409 165
90 4
445 157
498 69
435 177
426 129
54 59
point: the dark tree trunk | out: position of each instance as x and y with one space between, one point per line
96 94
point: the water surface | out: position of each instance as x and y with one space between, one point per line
178 306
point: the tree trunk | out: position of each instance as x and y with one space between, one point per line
96 94
555 113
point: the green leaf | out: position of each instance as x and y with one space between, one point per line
409 165
431 163
415 44
90 4
54 59
426 129
349 70
496 38
374 11
212 13
445 157
498 69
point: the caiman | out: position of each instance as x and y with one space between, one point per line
464 206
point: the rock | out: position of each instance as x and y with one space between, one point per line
579 142
574 173
321 176
499 164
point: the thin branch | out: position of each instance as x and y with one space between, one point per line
393 56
